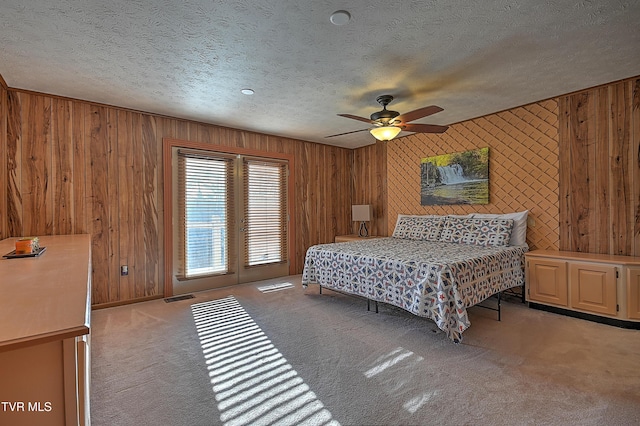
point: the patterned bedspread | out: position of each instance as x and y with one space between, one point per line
430 279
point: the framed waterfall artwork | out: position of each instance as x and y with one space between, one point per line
458 178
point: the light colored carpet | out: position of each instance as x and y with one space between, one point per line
292 356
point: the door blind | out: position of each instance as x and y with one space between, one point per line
265 212
206 216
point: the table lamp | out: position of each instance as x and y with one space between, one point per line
362 213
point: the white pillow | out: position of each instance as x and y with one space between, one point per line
519 232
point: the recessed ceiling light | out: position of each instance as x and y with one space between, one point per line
340 17
247 91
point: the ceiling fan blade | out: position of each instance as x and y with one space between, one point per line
424 128
347 133
418 113
355 117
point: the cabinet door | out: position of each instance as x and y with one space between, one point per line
633 293
547 281
593 288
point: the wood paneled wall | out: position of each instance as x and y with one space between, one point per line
70 166
370 184
600 169
3 159
77 167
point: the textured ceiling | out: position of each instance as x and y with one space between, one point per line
191 58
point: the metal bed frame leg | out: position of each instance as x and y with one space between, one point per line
498 309
368 301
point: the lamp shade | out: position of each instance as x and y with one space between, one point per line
385 133
361 213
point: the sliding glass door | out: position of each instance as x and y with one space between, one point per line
230 219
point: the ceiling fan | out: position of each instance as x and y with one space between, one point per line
389 123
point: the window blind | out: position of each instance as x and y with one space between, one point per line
265 212
206 213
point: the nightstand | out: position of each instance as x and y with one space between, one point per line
352 237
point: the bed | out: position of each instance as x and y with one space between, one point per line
432 266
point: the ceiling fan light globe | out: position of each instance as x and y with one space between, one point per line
385 133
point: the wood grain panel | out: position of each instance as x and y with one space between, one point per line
302 199
635 135
620 168
126 218
313 203
3 160
203 134
612 201
112 205
62 167
601 205
182 130
150 210
329 172
345 191
583 112
319 170
370 184
96 120
80 200
166 128
36 163
139 268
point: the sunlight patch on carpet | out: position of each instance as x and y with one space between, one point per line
275 287
252 382
416 403
388 361
394 370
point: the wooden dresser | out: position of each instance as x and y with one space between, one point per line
45 313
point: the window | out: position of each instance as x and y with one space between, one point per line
206 213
